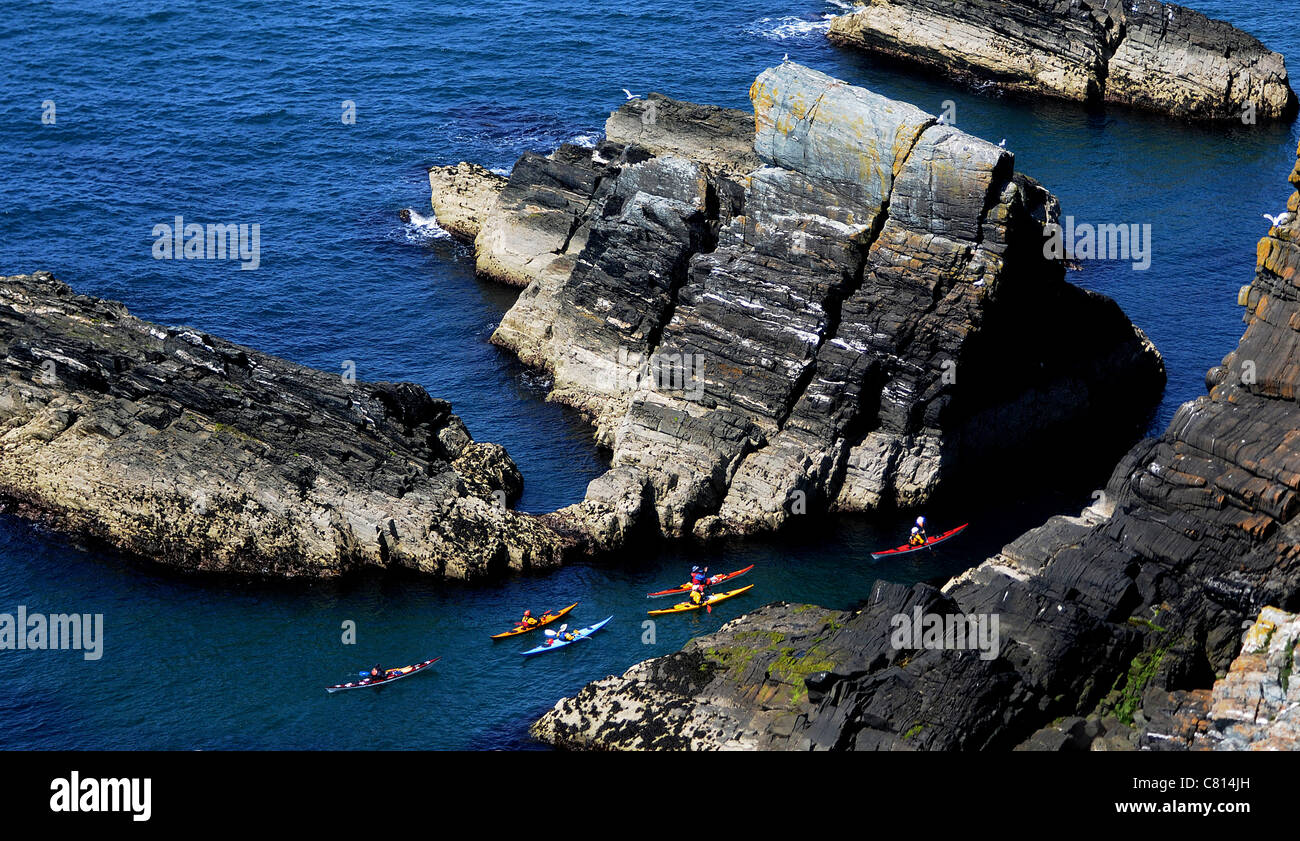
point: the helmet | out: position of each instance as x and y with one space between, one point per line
916 529
920 521
528 613
695 569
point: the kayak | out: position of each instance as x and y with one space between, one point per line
905 548
716 579
544 619
390 675
682 607
560 643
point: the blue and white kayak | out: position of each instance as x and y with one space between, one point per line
558 642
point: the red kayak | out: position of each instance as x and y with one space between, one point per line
716 579
906 547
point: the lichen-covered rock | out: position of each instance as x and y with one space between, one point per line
1142 53
733 689
1256 705
202 455
837 328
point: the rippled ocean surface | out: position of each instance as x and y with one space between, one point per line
232 112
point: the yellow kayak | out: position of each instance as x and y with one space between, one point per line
544 619
682 607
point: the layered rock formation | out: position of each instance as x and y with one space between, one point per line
1141 53
1109 623
831 304
199 454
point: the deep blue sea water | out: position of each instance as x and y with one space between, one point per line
231 112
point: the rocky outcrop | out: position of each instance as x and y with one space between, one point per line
462 197
1111 626
835 310
720 138
190 451
1141 53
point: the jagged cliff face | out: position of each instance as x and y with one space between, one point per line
1124 614
1142 53
833 314
196 453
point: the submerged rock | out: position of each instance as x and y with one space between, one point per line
202 455
831 304
1142 53
1112 625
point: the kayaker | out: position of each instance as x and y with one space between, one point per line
917 538
377 672
528 619
699 576
557 636
697 594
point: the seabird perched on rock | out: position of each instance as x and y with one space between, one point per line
943 119
1003 144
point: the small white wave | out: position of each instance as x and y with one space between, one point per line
501 170
420 229
789 27
587 140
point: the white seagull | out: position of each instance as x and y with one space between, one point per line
1003 144
943 119
785 58
1279 220
631 95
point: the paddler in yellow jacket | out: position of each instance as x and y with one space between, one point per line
918 537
